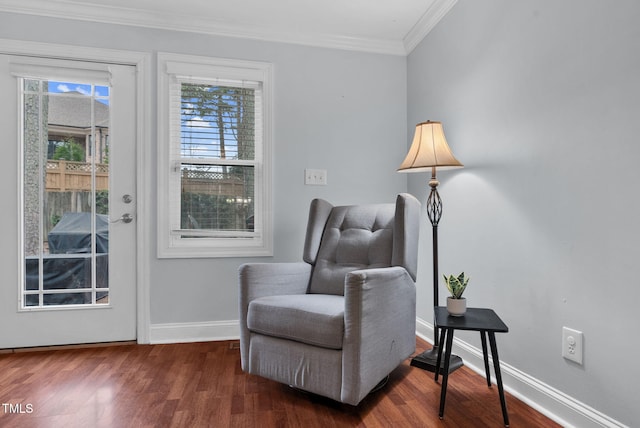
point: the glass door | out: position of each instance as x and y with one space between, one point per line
75 142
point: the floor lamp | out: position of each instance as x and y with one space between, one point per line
429 151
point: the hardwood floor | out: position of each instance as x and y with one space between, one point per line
201 385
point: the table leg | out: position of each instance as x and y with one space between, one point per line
445 375
496 366
485 354
439 359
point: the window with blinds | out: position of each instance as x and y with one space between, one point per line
216 172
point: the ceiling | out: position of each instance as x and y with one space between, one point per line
383 26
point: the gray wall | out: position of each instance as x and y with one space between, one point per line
540 100
336 110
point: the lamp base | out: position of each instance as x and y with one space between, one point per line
428 359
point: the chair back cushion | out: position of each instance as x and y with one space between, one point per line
355 237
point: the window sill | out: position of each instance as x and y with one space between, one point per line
214 249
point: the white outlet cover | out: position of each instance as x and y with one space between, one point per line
572 344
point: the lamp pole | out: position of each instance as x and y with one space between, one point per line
434 213
428 359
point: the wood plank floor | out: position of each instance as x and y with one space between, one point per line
201 385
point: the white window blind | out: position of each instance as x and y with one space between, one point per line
216 179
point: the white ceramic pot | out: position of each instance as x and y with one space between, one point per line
456 307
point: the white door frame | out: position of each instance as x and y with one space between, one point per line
141 61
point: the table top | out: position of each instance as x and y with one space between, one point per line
477 319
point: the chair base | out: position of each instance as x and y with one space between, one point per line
428 359
380 384
376 388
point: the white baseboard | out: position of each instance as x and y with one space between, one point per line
194 332
556 405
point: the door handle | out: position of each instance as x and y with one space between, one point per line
125 218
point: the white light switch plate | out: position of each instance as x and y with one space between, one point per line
315 177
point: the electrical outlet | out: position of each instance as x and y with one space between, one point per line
317 177
572 344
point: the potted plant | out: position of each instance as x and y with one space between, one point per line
456 304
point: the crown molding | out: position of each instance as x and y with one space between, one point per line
105 13
428 21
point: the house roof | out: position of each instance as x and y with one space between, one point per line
74 110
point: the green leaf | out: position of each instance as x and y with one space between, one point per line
456 285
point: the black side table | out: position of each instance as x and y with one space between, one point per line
477 319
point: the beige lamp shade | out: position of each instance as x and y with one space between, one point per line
429 150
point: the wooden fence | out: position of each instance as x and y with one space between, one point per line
212 183
68 176
68 187
64 176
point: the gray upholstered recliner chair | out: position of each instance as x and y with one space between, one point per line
338 323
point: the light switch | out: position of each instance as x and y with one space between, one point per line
315 177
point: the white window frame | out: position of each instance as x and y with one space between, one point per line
173 69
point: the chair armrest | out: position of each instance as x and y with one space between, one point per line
267 279
380 323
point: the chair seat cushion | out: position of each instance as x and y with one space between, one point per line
315 319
